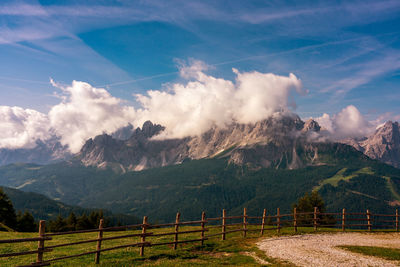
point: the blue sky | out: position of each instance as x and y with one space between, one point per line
344 52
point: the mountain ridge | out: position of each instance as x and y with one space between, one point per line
383 144
271 141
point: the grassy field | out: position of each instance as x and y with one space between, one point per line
385 253
339 176
232 252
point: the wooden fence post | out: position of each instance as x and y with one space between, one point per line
98 246
178 215
263 221
42 230
278 220
203 222
244 222
223 224
143 238
343 219
369 220
315 218
295 219
397 220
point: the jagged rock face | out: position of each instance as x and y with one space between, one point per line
43 153
311 125
384 144
137 153
273 142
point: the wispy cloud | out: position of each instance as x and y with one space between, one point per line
367 72
271 15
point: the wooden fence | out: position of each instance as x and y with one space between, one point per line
344 220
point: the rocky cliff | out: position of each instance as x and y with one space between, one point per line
279 142
383 145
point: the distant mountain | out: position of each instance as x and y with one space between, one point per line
51 150
44 208
274 142
383 145
43 153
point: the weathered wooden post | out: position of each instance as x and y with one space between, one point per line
143 238
223 228
244 222
295 219
263 221
178 215
343 220
397 220
315 218
278 220
369 220
42 230
99 237
203 222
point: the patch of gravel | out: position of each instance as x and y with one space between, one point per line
321 249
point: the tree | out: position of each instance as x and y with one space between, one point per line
307 204
309 201
83 222
71 221
59 225
94 218
26 222
7 211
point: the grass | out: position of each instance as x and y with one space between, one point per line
339 176
385 253
391 188
231 252
234 251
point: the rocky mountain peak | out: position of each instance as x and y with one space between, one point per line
389 133
311 125
147 131
281 141
383 145
269 142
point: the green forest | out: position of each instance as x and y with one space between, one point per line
348 180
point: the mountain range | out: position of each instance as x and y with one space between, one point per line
46 152
267 143
267 164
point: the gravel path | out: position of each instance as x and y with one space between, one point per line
321 250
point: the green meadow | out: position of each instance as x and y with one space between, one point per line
234 251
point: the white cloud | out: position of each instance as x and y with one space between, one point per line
20 128
193 108
348 123
85 112
185 109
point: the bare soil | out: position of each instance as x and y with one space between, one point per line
322 250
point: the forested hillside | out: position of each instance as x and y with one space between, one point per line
349 180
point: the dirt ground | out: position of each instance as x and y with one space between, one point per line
321 249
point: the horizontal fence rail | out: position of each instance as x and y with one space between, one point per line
344 220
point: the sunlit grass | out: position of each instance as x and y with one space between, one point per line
230 252
233 251
385 253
